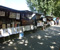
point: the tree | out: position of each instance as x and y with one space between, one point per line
40 6
56 11
48 7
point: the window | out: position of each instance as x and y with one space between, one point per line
12 15
2 13
17 16
3 26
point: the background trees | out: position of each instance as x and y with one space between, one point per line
48 7
56 11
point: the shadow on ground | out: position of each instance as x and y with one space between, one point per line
49 39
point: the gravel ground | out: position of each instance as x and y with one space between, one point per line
48 39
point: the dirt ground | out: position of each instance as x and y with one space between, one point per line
48 39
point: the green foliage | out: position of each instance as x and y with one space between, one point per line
56 11
47 7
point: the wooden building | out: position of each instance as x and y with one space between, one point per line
12 21
25 17
9 21
9 17
26 20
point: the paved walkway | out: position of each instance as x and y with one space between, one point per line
49 39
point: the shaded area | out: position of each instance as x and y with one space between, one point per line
49 39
